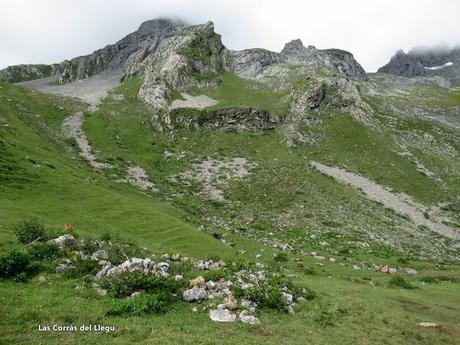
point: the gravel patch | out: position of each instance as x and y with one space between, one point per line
401 203
90 90
71 127
198 102
214 173
137 177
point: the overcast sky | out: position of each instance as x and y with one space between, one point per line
46 31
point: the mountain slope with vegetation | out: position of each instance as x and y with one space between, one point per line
308 202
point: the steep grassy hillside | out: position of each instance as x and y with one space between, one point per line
41 177
256 195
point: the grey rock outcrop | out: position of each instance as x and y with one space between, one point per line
250 62
426 62
129 50
410 271
294 48
348 99
100 255
175 57
341 60
195 294
192 58
228 118
305 101
64 241
250 319
147 266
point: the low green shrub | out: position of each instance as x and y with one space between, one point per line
89 247
328 314
400 282
281 257
105 237
214 275
45 251
30 230
82 267
309 270
120 251
17 263
128 282
156 303
274 300
439 279
184 269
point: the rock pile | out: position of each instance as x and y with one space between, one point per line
228 297
134 264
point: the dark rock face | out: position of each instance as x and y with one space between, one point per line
294 48
227 118
338 59
425 62
240 118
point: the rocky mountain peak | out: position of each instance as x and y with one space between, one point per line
191 58
183 55
154 26
294 47
423 61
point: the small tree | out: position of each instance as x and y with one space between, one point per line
30 230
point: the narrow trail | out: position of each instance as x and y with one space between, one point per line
400 203
71 127
90 90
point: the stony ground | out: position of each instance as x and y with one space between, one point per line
400 203
90 90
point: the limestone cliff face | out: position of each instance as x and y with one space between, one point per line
192 58
341 60
127 51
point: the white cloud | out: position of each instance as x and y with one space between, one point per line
48 31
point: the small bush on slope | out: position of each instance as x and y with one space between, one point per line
17 263
128 282
157 303
30 230
45 251
399 281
